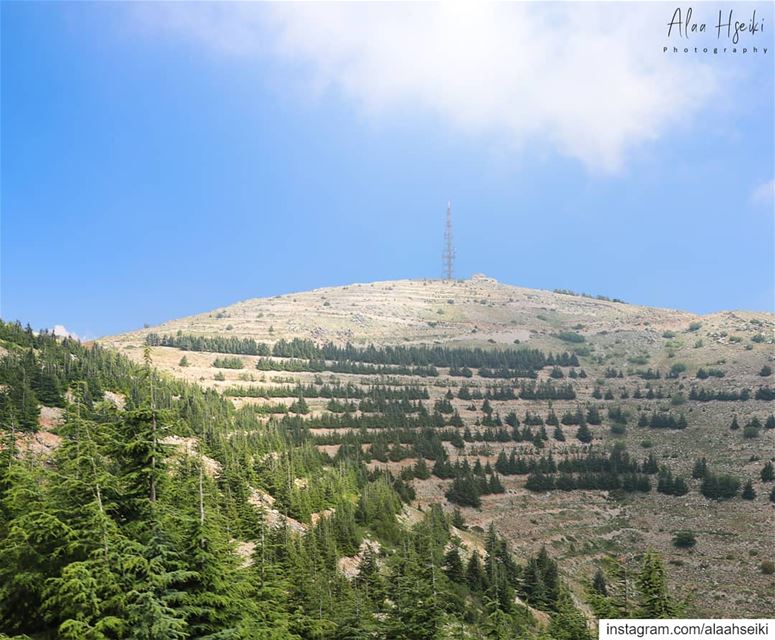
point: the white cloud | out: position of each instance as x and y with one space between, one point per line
60 330
588 80
764 194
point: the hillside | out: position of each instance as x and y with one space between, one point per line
605 377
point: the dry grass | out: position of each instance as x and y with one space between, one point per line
720 575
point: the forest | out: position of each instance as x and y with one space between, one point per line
118 532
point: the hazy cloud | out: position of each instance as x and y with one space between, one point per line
61 331
764 193
588 80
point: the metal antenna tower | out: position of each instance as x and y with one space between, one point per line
448 257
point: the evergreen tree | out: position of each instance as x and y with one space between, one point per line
457 519
654 598
599 584
369 578
748 491
155 608
584 434
212 584
453 565
569 623
700 469
416 612
475 573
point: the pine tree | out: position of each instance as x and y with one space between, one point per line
584 434
464 492
768 472
599 584
748 491
495 485
369 578
700 469
421 470
211 586
654 599
416 613
497 623
88 594
568 623
32 550
453 565
141 456
540 582
475 573
155 608
457 519
266 602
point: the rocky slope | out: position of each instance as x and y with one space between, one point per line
722 574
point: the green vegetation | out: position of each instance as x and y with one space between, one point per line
684 540
569 292
407 356
228 363
719 487
570 336
122 534
296 489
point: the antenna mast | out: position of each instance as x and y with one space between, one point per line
448 257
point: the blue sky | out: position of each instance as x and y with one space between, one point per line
163 160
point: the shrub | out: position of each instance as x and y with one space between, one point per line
570 336
677 369
695 326
766 371
750 431
678 399
228 362
684 540
721 487
767 567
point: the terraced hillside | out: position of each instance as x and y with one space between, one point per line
568 421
